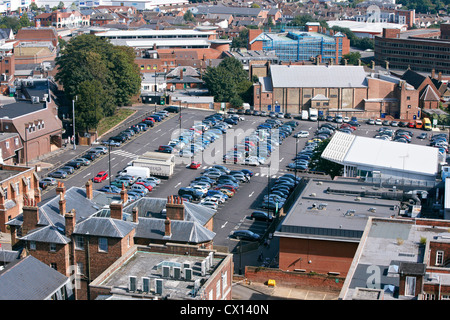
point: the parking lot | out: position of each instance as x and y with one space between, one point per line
233 214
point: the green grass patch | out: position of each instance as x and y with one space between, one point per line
109 122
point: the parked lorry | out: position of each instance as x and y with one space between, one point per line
313 114
305 115
159 164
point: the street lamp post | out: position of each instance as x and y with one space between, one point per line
73 118
295 164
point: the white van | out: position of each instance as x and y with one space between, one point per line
137 172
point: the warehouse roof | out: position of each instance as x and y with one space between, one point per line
356 150
300 76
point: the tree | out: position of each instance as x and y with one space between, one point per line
352 58
88 60
61 5
320 164
188 16
229 82
241 40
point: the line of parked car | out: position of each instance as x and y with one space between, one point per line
137 187
215 185
197 138
399 135
271 114
440 141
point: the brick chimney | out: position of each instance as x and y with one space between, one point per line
440 76
175 208
116 210
70 222
30 216
62 204
124 194
433 73
167 228
181 73
135 215
61 188
89 190
37 195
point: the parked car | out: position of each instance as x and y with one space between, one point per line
58 174
74 164
261 215
102 175
111 142
301 134
50 181
195 165
67 169
43 185
110 189
83 161
246 235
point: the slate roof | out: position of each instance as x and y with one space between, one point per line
29 279
50 234
413 78
104 227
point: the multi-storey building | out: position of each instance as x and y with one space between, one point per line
421 52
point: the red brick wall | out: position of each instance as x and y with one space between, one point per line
295 279
316 256
60 256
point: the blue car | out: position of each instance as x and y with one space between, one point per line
110 189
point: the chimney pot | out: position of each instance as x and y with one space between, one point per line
89 190
62 204
70 222
116 210
167 227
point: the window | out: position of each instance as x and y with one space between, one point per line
211 295
408 98
16 141
103 244
224 280
7 144
439 258
410 286
409 106
32 245
52 247
218 290
80 268
53 265
128 241
42 125
5 191
79 243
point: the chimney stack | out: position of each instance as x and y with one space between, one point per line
135 215
440 76
175 208
30 214
124 194
433 74
70 222
89 190
387 65
373 64
167 228
181 73
61 189
37 195
62 204
116 210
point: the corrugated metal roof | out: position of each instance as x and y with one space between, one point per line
338 147
336 76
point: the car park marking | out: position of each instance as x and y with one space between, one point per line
251 194
87 175
177 184
223 226
281 159
158 130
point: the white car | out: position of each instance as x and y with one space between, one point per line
218 198
252 161
210 204
378 122
210 198
346 119
302 134
200 188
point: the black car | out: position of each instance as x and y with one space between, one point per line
89 156
240 111
74 164
120 139
261 215
149 123
246 235
173 109
248 112
288 115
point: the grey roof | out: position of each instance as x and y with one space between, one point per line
104 227
299 76
182 231
19 108
50 234
235 11
29 279
8 256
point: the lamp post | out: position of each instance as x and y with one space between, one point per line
73 118
295 164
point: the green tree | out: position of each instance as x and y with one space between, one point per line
89 106
320 164
188 16
241 40
94 61
352 58
61 5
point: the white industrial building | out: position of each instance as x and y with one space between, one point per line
387 160
366 29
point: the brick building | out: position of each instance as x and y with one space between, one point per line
71 234
411 266
421 52
62 19
16 186
38 34
332 89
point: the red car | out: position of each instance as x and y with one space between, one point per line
148 186
411 125
149 118
102 175
195 165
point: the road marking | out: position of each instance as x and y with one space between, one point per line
224 224
251 194
86 175
113 159
256 174
281 159
158 130
177 184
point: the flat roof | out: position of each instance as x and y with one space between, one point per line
365 27
389 243
377 153
149 43
150 265
151 32
334 209
19 108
